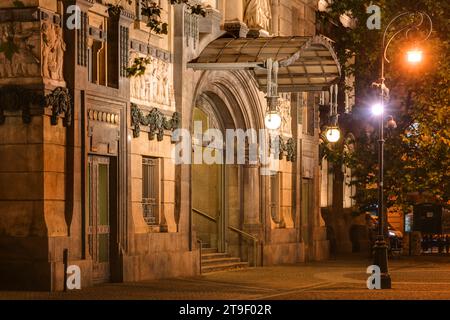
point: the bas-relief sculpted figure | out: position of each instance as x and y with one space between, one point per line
285 110
154 85
53 49
258 14
19 41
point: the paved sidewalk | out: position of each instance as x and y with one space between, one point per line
413 278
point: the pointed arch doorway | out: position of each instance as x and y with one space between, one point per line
215 186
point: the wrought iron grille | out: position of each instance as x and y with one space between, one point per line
150 190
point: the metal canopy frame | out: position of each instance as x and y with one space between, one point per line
304 63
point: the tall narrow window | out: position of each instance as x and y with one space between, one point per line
151 190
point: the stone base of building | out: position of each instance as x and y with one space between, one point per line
284 249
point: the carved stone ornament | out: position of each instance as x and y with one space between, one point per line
283 148
285 110
19 42
53 48
61 102
258 14
155 121
13 98
155 85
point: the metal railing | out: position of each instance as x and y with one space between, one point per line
236 230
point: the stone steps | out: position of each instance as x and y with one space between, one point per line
213 261
224 267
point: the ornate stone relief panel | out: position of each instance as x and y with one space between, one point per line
32 46
20 43
155 87
285 111
53 48
104 131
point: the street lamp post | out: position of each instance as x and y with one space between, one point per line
414 56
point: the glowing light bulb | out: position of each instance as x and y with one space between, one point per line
273 120
377 109
414 56
333 135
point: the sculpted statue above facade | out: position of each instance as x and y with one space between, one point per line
53 47
258 14
155 85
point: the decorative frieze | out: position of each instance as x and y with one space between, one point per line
60 102
102 116
155 120
20 53
155 85
32 44
283 148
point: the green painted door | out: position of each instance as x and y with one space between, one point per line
99 217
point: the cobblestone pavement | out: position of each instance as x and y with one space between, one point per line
413 278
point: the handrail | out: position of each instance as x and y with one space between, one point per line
205 215
238 231
251 237
243 233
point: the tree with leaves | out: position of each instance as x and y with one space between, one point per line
417 152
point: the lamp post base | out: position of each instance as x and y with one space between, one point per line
381 260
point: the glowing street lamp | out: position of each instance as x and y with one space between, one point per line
273 120
414 56
333 134
377 109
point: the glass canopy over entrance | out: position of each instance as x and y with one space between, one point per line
304 63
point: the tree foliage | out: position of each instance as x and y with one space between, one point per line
417 153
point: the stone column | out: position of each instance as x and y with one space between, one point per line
252 209
33 136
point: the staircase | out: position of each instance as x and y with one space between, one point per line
213 261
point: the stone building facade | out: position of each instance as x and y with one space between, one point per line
87 155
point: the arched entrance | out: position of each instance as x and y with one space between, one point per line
232 193
216 195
